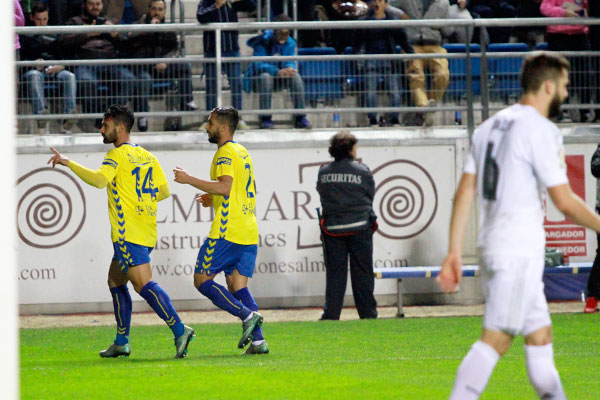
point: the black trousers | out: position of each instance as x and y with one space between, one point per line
593 285
336 251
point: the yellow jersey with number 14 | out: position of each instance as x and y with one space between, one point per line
235 220
134 176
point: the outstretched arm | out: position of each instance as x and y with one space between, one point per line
91 177
574 207
221 187
451 272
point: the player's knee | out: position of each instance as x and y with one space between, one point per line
540 337
230 287
499 341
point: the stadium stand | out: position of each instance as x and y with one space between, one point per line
333 83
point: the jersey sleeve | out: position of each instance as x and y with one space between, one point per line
110 165
158 175
548 158
224 163
470 166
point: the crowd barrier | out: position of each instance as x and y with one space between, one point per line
336 90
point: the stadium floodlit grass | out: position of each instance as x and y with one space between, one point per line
413 358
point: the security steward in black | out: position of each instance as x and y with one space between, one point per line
346 188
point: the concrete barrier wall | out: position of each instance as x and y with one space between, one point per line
65 247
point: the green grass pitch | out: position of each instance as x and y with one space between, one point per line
412 358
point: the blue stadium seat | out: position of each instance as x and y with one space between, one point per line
457 88
504 72
541 46
322 79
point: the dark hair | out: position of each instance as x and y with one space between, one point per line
154 1
121 115
541 66
341 144
282 18
228 116
38 7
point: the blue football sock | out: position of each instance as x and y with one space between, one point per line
122 307
161 304
245 297
223 299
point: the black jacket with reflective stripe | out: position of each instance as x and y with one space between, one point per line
346 189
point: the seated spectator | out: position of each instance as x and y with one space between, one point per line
459 10
532 35
427 40
46 47
595 44
381 41
19 21
223 11
61 10
572 38
115 9
341 10
264 77
94 46
494 9
159 45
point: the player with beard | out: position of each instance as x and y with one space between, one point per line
134 182
232 243
515 158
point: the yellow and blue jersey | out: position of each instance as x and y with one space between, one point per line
134 176
235 219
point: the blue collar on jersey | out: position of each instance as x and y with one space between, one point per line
130 144
229 141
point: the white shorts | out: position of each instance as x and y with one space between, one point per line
514 294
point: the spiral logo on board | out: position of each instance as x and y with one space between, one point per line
51 208
406 199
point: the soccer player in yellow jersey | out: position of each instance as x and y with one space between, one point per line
134 182
232 243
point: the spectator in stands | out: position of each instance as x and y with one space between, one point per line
115 8
595 45
531 35
391 8
427 40
347 226
46 47
25 8
264 77
61 10
223 11
459 10
572 38
95 46
19 21
382 41
159 45
495 9
593 283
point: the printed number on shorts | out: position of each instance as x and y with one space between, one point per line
147 186
249 193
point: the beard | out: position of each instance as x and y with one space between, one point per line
214 137
109 137
554 107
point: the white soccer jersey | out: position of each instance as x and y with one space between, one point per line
516 155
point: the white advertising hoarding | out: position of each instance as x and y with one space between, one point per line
64 236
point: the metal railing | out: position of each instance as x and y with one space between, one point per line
473 93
